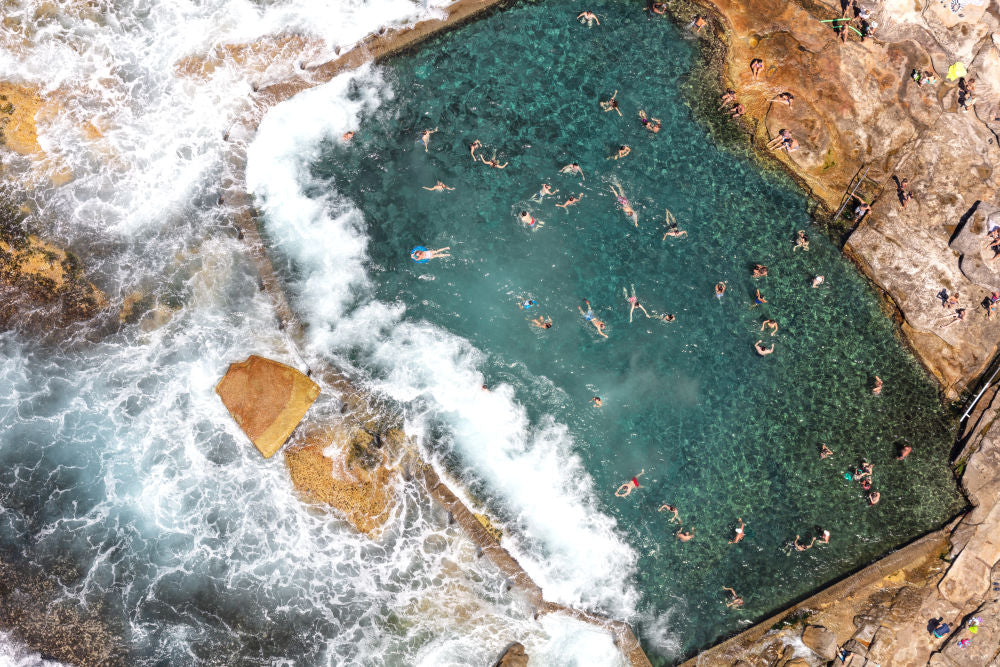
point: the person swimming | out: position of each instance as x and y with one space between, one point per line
424 255
623 151
624 203
740 533
651 124
425 138
527 304
543 192
472 148
633 301
676 518
493 162
611 104
529 220
770 324
720 290
629 486
589 18
589 316
572 201
573 168
672 229
438 187
542 322
761 350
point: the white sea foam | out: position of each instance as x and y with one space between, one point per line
560 536
14 654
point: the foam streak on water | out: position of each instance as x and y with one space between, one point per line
529 471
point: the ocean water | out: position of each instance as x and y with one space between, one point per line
721 432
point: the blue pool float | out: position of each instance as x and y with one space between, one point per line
416 249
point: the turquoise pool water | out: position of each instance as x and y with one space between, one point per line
720 431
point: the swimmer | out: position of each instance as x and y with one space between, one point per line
877 389
544 192
439 186
542 322
771 324
761 350
740 533
588 17
685 537
596 400
817 281
904 452
529 220
472 148
824 451
801 241
590 317
651 124
347 136
573 168
803 547
572 201
493 162
420 255
611 104
720 289
676 518
623 202
425 138
758 300
874 497
667 317
759 271
737 601
623 151
527 304
634 303
672 229
629 486
825 537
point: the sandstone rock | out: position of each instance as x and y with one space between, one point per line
514 656
267 399
363 494
822 642
883 646
967 577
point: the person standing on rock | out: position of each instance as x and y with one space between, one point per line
756 65
727 99
738 110
903 192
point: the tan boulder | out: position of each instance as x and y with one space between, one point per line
822 642
358 483
514 656
267 399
